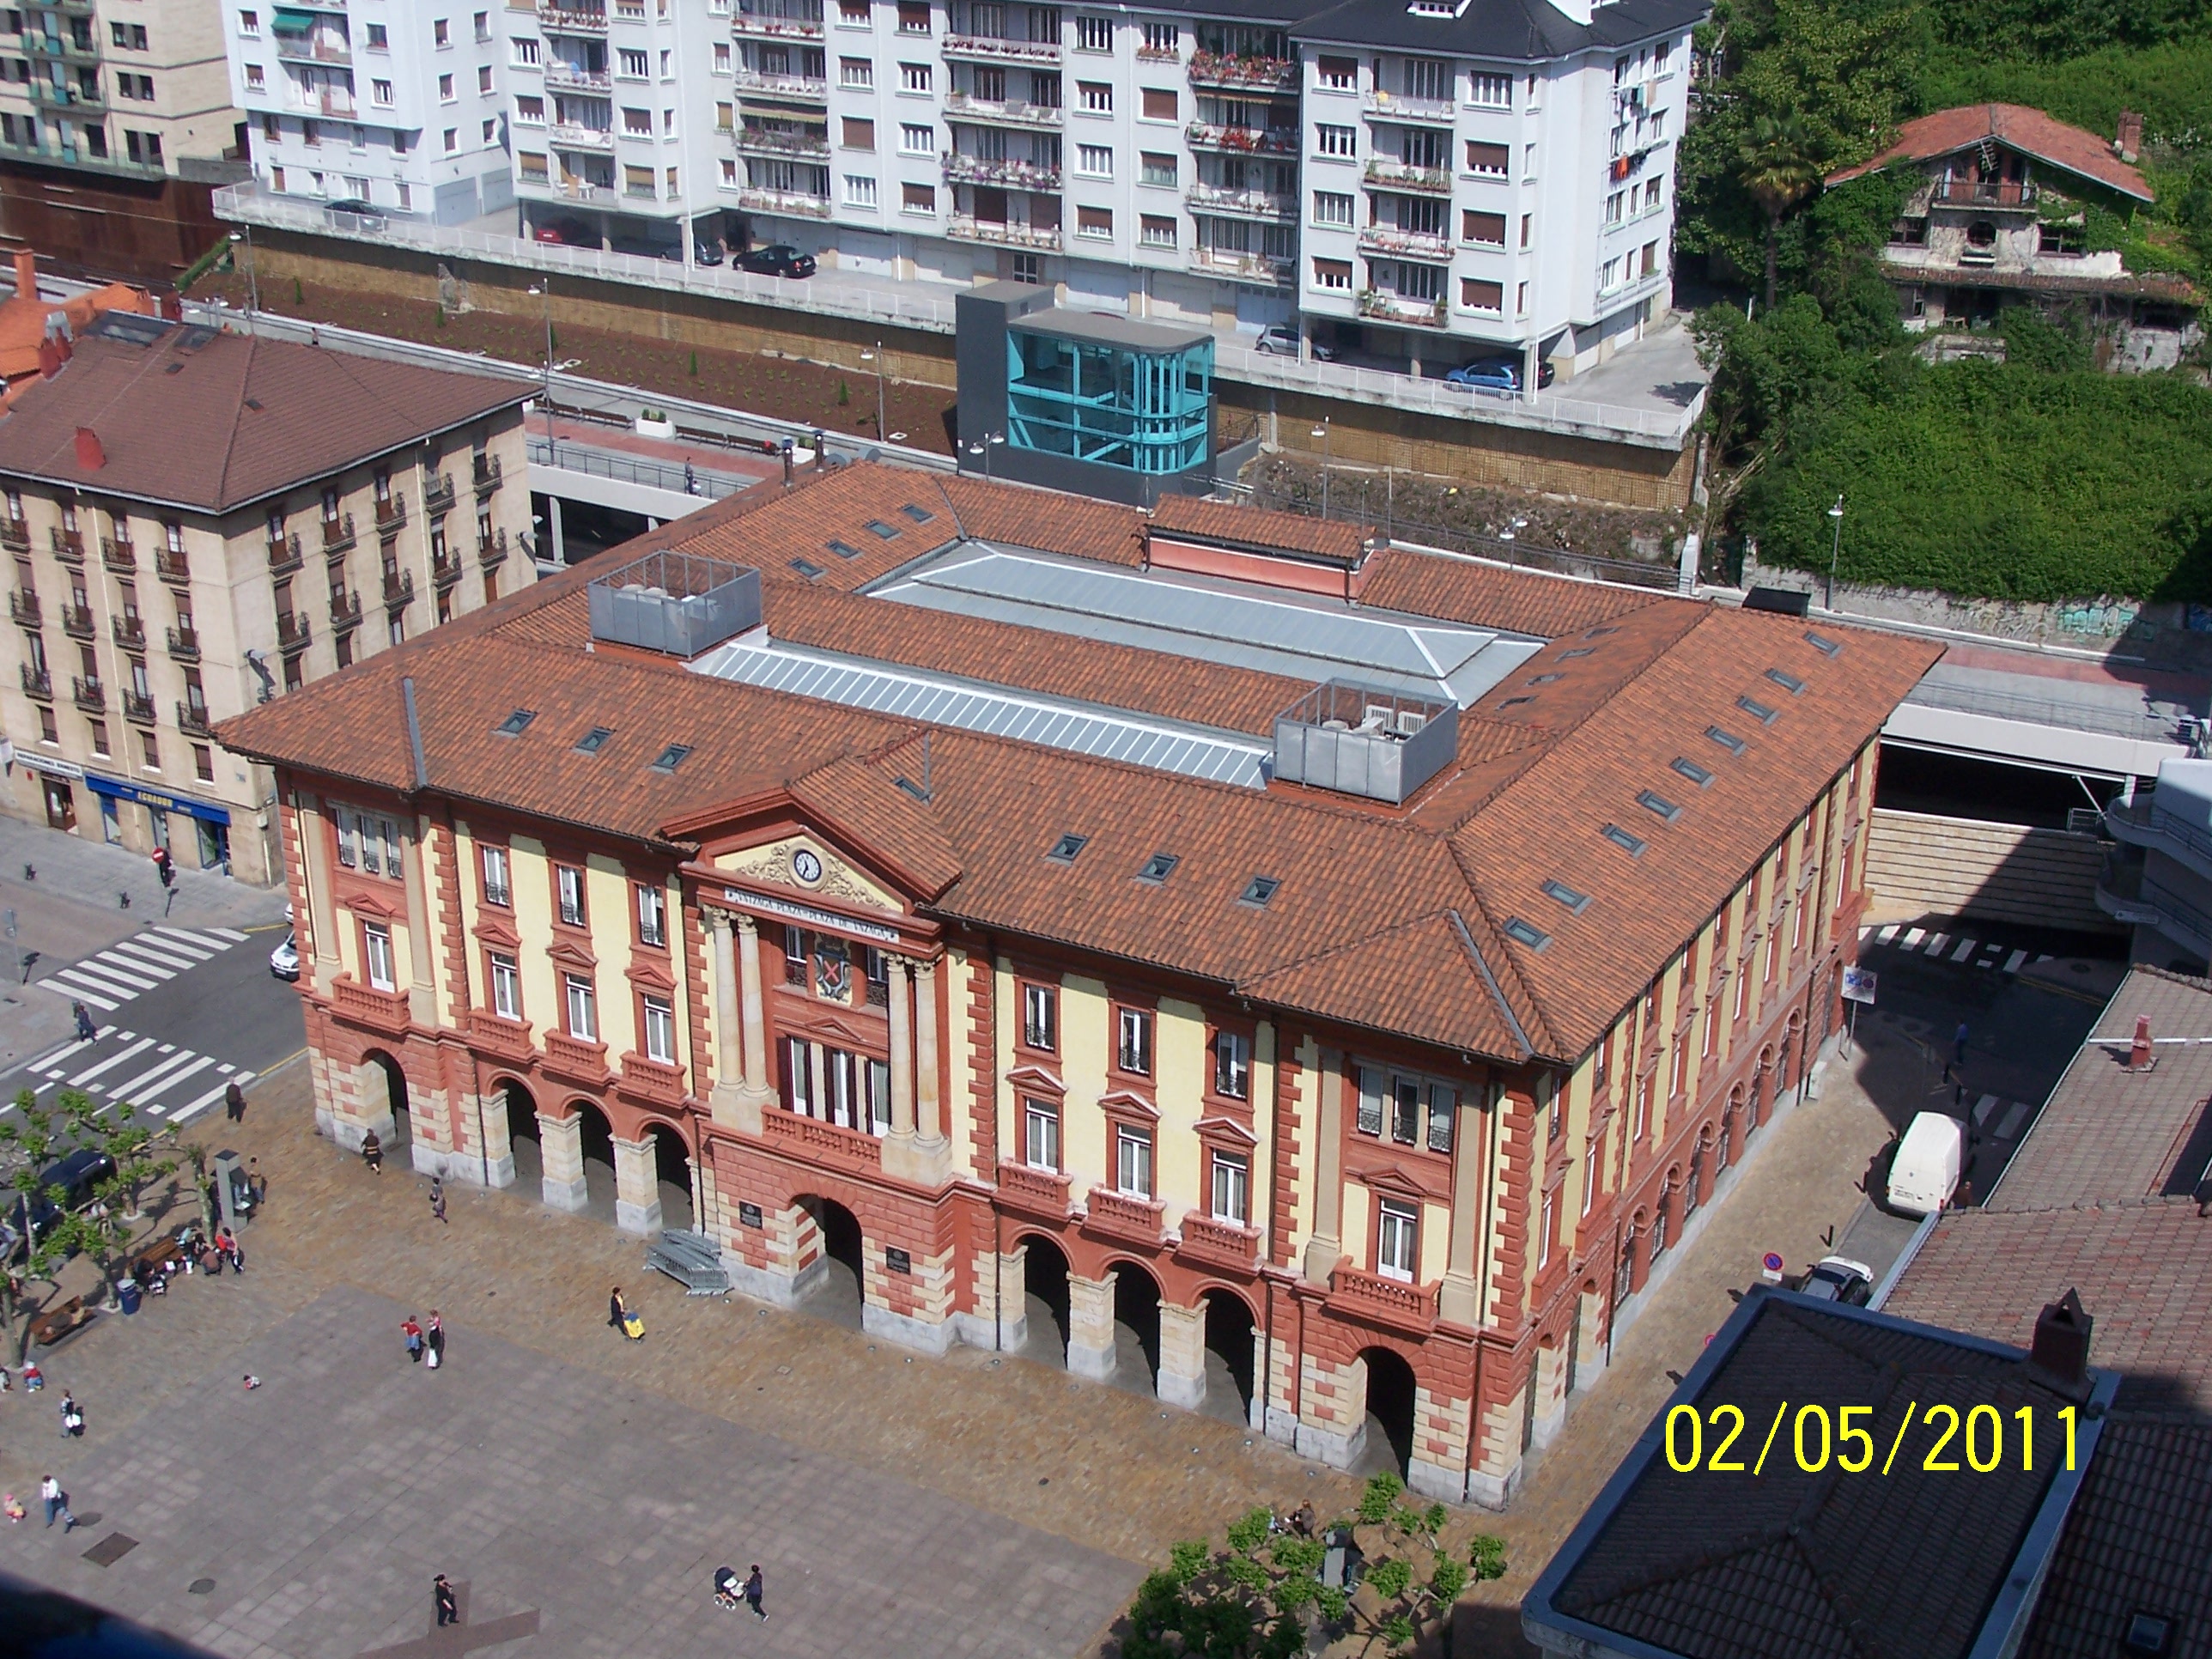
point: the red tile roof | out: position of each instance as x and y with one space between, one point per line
1386 917
2027 130
231 419
1253 527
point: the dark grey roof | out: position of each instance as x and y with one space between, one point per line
1283 12
1513 31
1897 1562
1107 329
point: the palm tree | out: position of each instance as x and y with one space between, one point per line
1776 165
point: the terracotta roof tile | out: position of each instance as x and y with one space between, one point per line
1521 601
1017 515
232 420
1253 527
2029 130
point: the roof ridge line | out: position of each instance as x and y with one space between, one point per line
1490 979
1536 1004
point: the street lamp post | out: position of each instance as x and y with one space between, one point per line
1836 550
1322 433
543 290
253 280
877 358
983 448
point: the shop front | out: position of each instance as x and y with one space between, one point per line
205 827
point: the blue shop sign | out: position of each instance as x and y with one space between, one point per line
159 800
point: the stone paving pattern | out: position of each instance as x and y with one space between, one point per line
972 1505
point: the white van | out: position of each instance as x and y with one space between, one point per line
1925 1171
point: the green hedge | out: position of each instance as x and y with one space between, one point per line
2169 85
2005 481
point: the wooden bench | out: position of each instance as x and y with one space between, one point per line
57 1324
151 1260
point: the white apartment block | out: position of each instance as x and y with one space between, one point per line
1424 181
134 87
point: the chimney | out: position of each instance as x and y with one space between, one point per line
2139 1050
2128 144
26 274
89 455
2061 1347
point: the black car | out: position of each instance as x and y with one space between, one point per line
1838 1279
777 260
76 1175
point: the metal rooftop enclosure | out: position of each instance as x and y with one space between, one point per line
1359 741
676 603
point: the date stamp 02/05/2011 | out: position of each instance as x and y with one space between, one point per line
1949 1439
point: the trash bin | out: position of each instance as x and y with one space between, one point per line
128 1295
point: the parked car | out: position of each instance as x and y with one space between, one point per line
367 212
1499 375
76 1173
706 250
644 248
1281 340
1838 1279
284 960
567 233
1924 1170
777 260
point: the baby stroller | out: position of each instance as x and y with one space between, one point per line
728 1589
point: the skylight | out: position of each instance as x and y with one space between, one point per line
594 740
513 724
1511 701
920 515
1824 645
844 549
1690 769
806 567
1065 849
1631 845
1579 651
1759 711
888 531
1728 740
1522 933
1259 890
1543 679
1651 802
1158 868
1577 902
1788 683
671 757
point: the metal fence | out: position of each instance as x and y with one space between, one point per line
2151 723
573 457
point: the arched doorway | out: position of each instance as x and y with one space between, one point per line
525 1139
1045 1301
672 1168
1227 1358
836 1292
1136 1328
599 1143
381 1074
1389 1444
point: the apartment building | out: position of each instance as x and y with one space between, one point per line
133 88
200 522
390 102
1339 974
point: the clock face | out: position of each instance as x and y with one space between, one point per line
806 866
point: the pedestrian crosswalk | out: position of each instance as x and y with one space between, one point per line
1956 948
163 1080
110 978
2000 1118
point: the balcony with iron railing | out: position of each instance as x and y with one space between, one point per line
338 536
763 141
89 693
294 634
754 26
1396 106
345 610
76 621
129 632
284 553
999 49
1429 248
68 544
192 720
138 707
989 170
1238 265
968 229
1387 308
966 107
788 203
1985 193
807 89
37 683
574 77
484 476
116 553
1216 69
1397 175
445 570
171 565
398 588
184 644
1241 203
575 135
391 515
438 494
15 535
572 20
491 550
1242 141
23 606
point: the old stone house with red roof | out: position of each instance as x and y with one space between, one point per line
1323 979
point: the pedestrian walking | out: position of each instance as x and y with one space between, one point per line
438 1198
1958 1052
411 1333
372 1153
449 1605
72 1417
85 1029
251 1381
433 1339
233 1102
12 1507
56 1502
753 1594
617 1309
227 1242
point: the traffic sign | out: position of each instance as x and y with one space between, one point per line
1771 1264
1858 985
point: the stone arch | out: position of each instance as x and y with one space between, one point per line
674 1172
1043 1293
508 1099
1735 1127
1389 1392
1137 1298
1697 1181
596 1138
1232 1336
387 1104
1630 1263
831 1253
1668 1215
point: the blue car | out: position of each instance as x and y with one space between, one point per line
1488 374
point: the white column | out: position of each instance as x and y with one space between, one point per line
1182 1378
1326 1248
727 1062
561 1145
637 1187
929 1123
902 990
756 1022
1091 1326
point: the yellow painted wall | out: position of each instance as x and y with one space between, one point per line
1435 1241
1358 1225
1084 1150
1308 1096
1179 1062
469 878
532 886
954 975
606 910
1263 1125
1010 1105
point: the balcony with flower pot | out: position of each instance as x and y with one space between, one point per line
1430 248
1397 175
1217 69
1388 308
988 170
1242 141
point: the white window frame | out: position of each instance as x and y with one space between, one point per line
505 973
1095 161
1132 1048
1333 208
909 144
570 896
1231 1185
660 1029
1232 1065
498 876
1342 143
1133 1161
1397 1241
580 1006
1041 1017
376 956
1041 1133
652 914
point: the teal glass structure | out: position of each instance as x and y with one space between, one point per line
1114 394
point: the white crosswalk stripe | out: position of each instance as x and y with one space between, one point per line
107 979
2010 1123
1967 948
113 1061
193 1107
172 1087
1960 948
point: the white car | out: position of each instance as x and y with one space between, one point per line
284 960
1281 340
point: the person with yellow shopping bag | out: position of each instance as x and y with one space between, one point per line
620 1315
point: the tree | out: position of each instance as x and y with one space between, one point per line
1776 165
103 1230
27 1145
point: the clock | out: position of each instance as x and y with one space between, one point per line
806 866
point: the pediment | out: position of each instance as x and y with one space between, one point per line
1036 1077
569 954
805 864
1391 1179
493 929
368 902
1123 1102
1226 1128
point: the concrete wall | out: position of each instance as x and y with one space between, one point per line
1921 864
